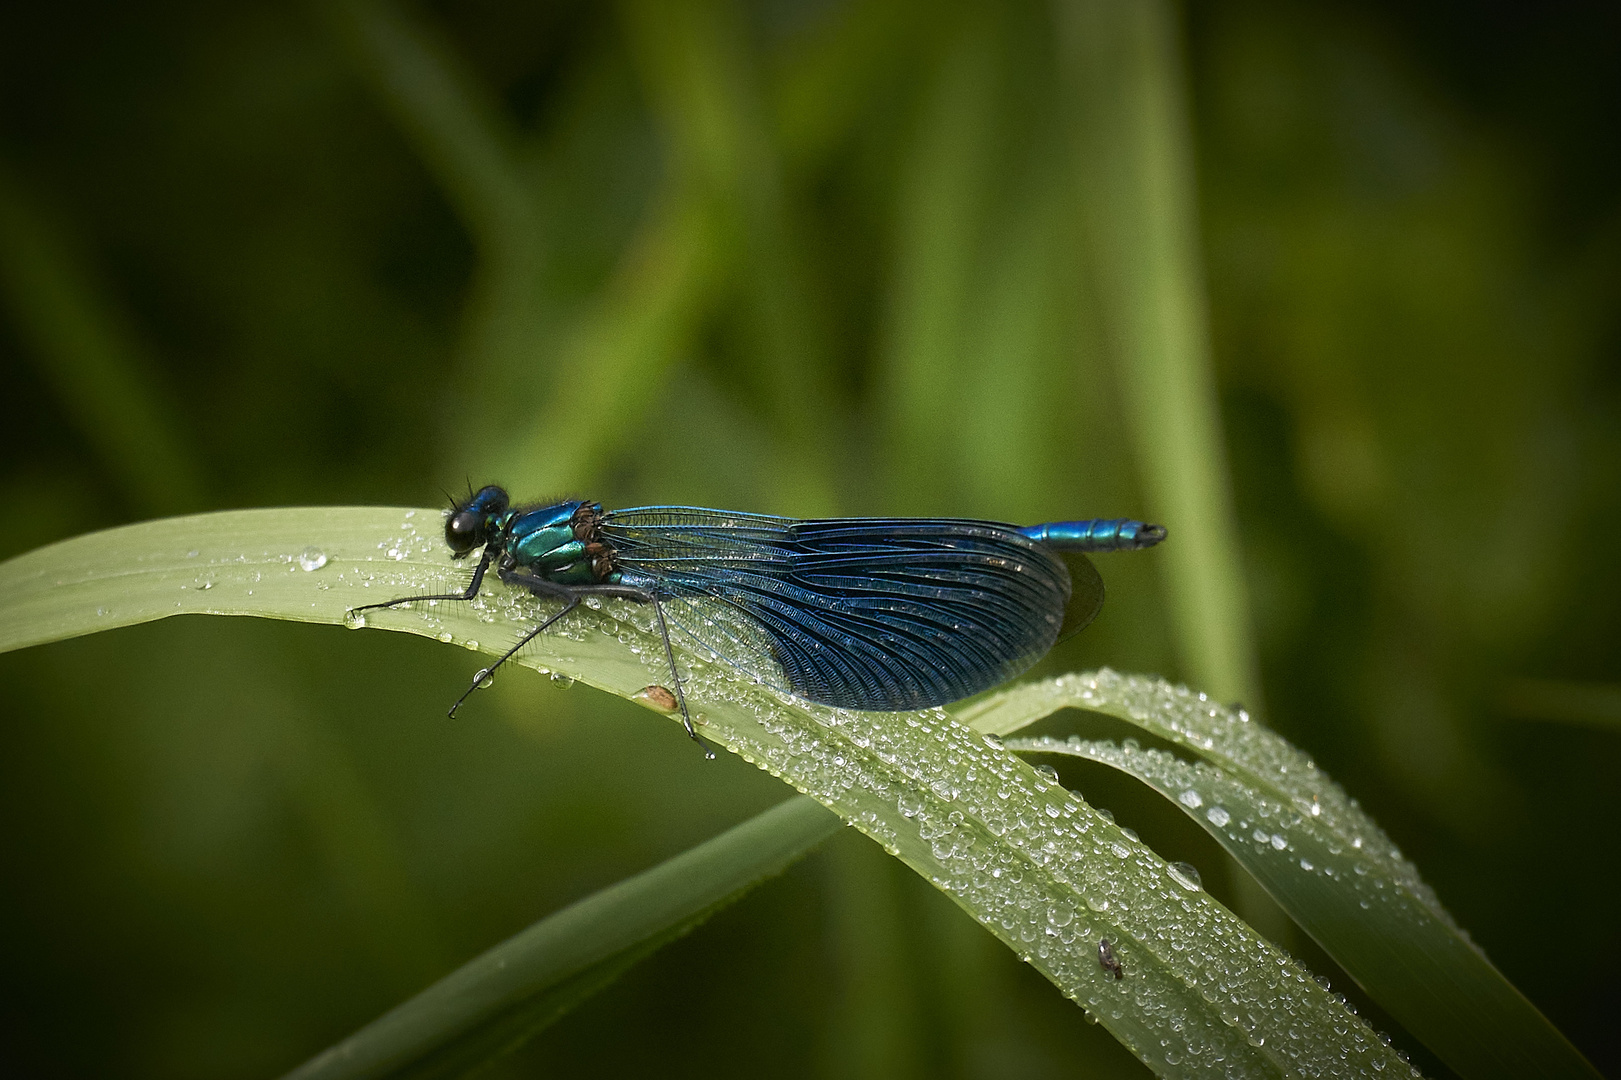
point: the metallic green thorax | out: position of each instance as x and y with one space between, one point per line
559 543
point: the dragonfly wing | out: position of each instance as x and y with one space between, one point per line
861 613
1085 593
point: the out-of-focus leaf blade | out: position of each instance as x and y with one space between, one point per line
1320 856
492 1004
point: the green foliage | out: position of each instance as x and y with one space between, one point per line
863 257
1029 860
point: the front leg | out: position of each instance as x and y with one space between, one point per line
470 593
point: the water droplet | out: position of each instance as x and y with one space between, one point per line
1048 771
561 681
1306 865
657 698
192 554
471 644
1186 875
101 611
354 620
1279 842
311 558
910 804
1106 814
485 678
1218 816
1129 834
993 741
446 636
1190 799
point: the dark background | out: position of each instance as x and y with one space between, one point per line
235 275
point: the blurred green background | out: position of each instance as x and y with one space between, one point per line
794 256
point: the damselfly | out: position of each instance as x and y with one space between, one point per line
863 613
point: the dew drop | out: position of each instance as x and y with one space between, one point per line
1048 771
1218 816
446 636
561 681
1190 799
354 620
485 678
311 558
1186 875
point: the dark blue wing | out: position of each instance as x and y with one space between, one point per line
865 613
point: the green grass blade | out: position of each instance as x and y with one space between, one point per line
641 324
1203 993
946 186
1321 857
90 355
1135 178
450 116
492 1004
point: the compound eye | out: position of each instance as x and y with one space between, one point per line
464 531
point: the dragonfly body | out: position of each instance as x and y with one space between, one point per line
864 613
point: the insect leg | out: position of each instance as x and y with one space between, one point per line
478 679
470 593
675 677
541 587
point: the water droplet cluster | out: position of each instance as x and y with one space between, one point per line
1202 994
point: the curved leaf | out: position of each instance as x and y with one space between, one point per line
1202 993
1320 856
493 1003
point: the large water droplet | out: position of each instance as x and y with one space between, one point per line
1190 799
311 558
1048 771
561 681
354 620
1186 875
1218 816
910 804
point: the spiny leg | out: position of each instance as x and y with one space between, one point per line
470 593
572 593
675 677
485 673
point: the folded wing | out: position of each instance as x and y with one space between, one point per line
865 613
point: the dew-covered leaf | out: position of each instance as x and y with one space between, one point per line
1200 993
1319 855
